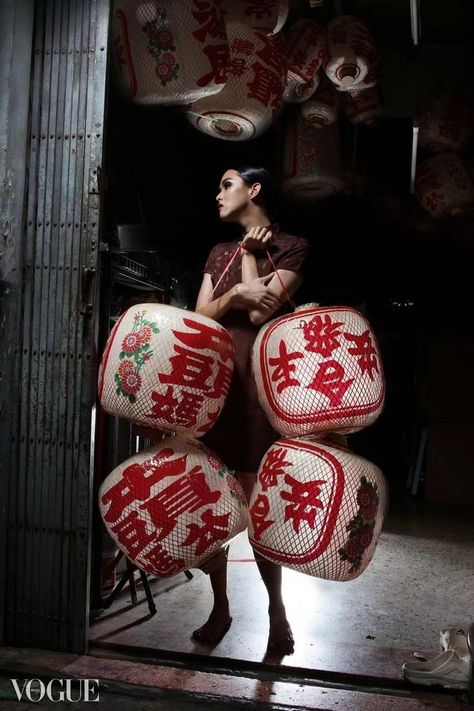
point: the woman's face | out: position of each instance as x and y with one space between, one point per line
233 197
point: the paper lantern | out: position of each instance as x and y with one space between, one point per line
443 186
350 51
253 94
169 51
317 509
166 368
446 124
172 507
318 369
312 162
363 106
305 48
322 109
268 16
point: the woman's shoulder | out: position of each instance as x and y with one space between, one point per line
285 240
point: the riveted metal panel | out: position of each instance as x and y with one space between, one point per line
50 505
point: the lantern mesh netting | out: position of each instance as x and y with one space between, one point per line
318 369
268 16
317 508
166 368
169 52
172 507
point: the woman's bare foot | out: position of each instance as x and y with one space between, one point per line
214 629
280 637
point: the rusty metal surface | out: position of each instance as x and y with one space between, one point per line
50 504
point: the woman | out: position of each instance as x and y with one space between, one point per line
249 293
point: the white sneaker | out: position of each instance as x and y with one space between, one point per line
454 638
447 669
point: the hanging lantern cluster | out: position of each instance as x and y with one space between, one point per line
317 507
172 506
443 181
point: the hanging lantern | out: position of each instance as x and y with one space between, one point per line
443 186
323 107
350 52
253 94
172 507
268 16
318 369
317 509
363 106
305 55
166 368
169 52
446 125
312 163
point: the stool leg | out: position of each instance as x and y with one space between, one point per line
131 576
147 589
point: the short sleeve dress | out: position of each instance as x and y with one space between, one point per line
242 434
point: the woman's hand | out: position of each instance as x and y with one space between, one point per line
256 239
256 293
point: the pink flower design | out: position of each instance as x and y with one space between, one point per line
125 367
131 382
164 71
161 37
214 462
131 343
367 500
145 333
169 59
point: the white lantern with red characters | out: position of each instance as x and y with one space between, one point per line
166 368
322 109
172 507
317 509
446 124
268 16
169 52
318 369
253 94
305 47
312 160
350 52
443 186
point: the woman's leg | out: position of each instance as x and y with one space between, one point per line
219 620
280 637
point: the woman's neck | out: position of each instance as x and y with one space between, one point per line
255 216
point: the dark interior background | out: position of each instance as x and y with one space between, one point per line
372 246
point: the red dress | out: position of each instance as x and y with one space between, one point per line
242 434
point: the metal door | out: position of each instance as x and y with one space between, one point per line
49 495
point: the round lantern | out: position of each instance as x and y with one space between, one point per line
253 94
172 507
363 106
446 125
317 509
323 107
443 186
169 51
318 369
166 368
268 16
350 51
312 163
305 48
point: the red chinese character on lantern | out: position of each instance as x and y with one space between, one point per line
304 501
364 348
132 534
221 382
321 335
183 412
186 494
213 339
218 56
300 57
329 381
284 367
259 513
216 528
266 86
271 54
189 368
238 66
160 562
209 19
137 480
272 468
242 46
